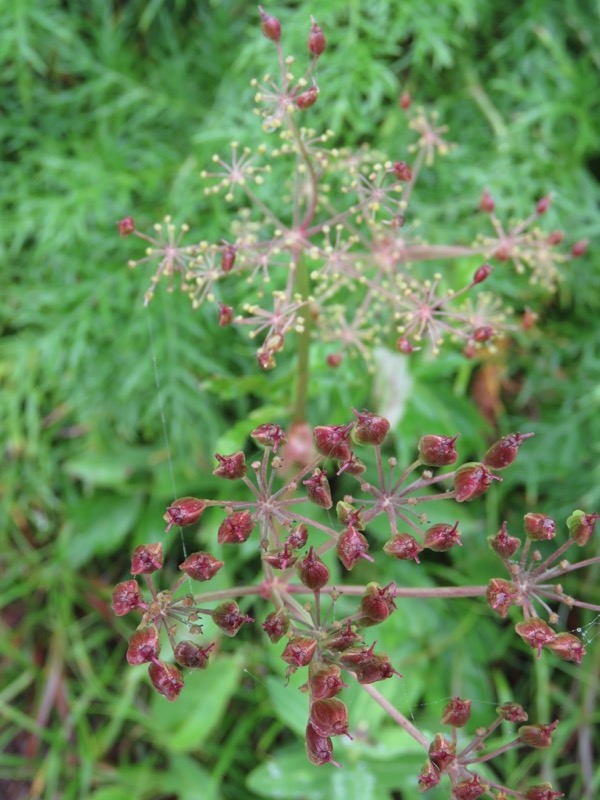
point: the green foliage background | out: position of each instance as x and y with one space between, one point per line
112 108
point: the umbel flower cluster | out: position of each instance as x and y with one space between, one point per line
343 259
282 510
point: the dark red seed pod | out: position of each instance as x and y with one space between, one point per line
353 657
472 480
486 203
348 515
542 791
265 358
353 466
512 712
319 749
271 27
312 571
555 238
276 625
470 789
378 668
126 597
438 451
579 248
351 547
332 441
144 646
503 544
536 633
581 526
568 647
405 101
343 638
404 547
539 527
228 618
324 680
429 777
189 654
335 359
503 452
297 537
483 334
316 39
280 559
269 435
377 603
201 566
318 490
231 467
538 736
402 171
441 537
369 428
299 651
543 204
225 315
457 713
166 679
442 753
404 346
236 528
228 258
482 273
500 595
308 98
146 559
329 717
183 512
126 226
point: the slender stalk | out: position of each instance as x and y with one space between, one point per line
396 715
302 287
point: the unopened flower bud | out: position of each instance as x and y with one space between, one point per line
555 238
316 39
343 638
126 597
189 654
483 333
529 319
297 537
539 527
486 203
457 713
469 789
581 526
472 480
438 451
146 558
482 273
512 712
236 528
308 98
442 537
542 791
269 435
312 571
225 315
539 736
126 226
429 777
329 717
271 27
404 346
231 467
351 547
276 625
402 171
144 646
377 604
543 204
352 465
319 749
324 680
299 651
568 647
228 258
201 566
332 441
442 753
377 668
228 618
166 679
335 359
404 547
369 428
318 490
503 452
579 248
503 544
405 101
183 512
348 515
536 633
265 358
282 558
500 595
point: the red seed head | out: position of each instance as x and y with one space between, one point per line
486 202
126 226
581 526
324 680
271 27
536 633
542 791
201 566
405 100
231 467
146 558
312 571
568 647
483 333
404 346
512 712
281 558
402 171
183 512
438 451
166 679
308 98
318 490
539 736
265 358
369 428
348 515
236 528
482 273
503 544
429 777
299 651
189 654
377 604
332 441
228 258
378 668
457 713
316 39
442 753
503 452
470 789
442 537
225 315
269 435
579 248
404 547
343 638
352 465
335 359
228 618
352 546
276 625
144 646
500 596
297 537
543 204
329 717
539 527
126 597
319 749
472 480
555 238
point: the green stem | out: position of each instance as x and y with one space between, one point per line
302 288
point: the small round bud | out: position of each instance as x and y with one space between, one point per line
324 680
470 789
402 171
579 248
189 654
166 679
442 537
316 39
536 633
539 527
377 604
377 668
144 646
438 451
512 712
281 558
486 202
482 273
404 346
269 435
429 777
483 334
228 618
318 490
581 526
225 315
404 547
352 546
231 467
503 544
369 428
319 749
183 512
299 651
538 736
276 625
228 258
555 238
457 713
542 791
126 597
329 717
236 528
332 441
543 204
343 638
472 480
308 98
312 571
126 226
201 566
335 359
568 647
405 100
271 27
348 515
442 753
297 537
500 596
146 559
503 452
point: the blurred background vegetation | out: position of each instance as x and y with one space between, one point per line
113 108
